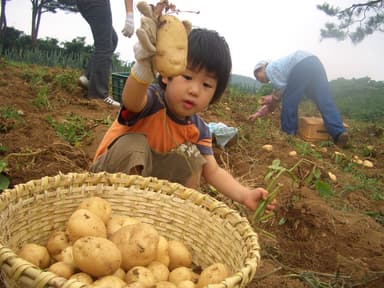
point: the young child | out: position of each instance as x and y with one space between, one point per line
158 131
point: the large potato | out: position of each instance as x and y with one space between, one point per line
180 274
56 243
118 221
179 255
82 223
96 256
138 246
213 274
98 206
171 46
35 254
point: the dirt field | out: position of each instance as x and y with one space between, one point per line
317 240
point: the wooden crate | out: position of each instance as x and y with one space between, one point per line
312 129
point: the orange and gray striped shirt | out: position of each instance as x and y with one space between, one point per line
163 130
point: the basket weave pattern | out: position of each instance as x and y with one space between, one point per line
212 231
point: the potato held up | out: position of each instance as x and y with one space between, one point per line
171 45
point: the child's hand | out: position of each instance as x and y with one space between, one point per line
253 198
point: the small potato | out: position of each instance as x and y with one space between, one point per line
96 256
140 274
213 274
109 281
162 251
62 269
180 274
97 206
118 221
179 255
67 256
171 46
82 223
120 273
35 254
56 243
159 270
164 284
82 277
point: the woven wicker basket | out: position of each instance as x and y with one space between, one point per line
212 231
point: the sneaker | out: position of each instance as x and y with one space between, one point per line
342 140
111 101
83 81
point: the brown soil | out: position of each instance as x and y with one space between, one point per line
329 240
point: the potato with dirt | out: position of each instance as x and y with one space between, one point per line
118 221
82 223
138 244
35 254
56 243
97 206
213 274
96 256
142 275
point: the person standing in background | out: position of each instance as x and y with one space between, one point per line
293 76
98 14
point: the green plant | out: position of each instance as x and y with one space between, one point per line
4 180
73 129
41 100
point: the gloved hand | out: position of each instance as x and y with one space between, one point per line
145 49
262 112
129 26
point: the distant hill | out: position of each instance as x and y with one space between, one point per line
244 83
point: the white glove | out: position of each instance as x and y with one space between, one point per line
129 25
144 50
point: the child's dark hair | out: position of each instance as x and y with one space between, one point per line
210 51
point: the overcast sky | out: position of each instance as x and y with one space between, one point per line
255 30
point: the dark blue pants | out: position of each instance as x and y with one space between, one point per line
309 78
99 17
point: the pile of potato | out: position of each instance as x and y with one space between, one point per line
105 250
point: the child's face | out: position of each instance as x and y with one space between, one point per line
189 93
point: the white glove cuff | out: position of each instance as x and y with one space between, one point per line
142 72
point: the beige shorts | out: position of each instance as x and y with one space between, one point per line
182 165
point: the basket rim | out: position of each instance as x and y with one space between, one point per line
205 201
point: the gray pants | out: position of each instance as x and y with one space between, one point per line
99 17
133 151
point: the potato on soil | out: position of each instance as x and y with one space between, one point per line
159 270
56 243
62 269
118 221
213 274
82 277
97 206
96 256
140 274
171 46
82 223
35 254
141 247
179 254
109 281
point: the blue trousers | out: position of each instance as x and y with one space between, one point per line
99 17
309 78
